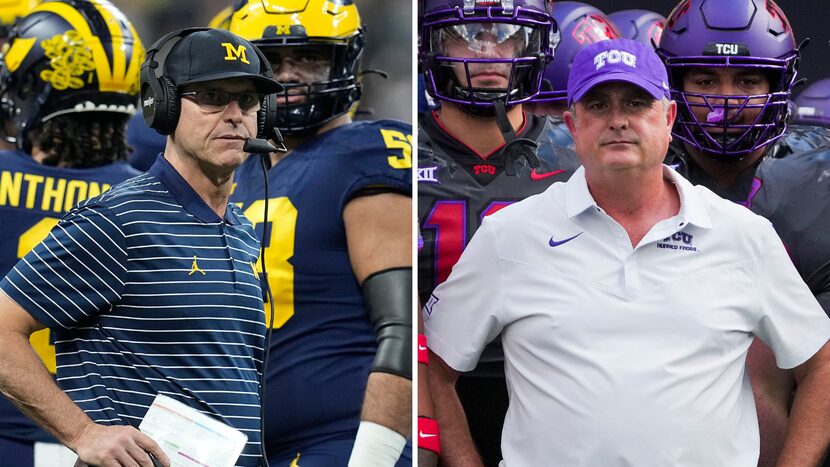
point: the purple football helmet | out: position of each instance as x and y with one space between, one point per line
477 52
745 34
814 104
640 25
580 24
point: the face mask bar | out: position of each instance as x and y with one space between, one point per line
324 100
731 135
725 129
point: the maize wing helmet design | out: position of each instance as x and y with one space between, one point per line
580 25
524 25
11 10
64 57
751 34
640 25
331 27
814 104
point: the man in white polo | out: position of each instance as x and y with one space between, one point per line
627 299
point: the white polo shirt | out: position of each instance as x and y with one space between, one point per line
621 356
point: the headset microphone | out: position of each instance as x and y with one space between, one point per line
261 146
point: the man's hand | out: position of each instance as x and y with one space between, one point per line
116 446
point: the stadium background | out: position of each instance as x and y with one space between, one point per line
388 43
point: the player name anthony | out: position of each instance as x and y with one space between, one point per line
45 193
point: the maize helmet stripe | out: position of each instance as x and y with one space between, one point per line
115 23
18 52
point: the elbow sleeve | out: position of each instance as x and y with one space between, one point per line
388 298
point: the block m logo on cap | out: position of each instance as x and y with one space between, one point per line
235 53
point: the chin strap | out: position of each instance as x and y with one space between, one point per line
515 148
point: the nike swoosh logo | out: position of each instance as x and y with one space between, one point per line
421 348
534 175
554 243
425 435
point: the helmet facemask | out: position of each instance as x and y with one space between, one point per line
329 87
732 126
476 57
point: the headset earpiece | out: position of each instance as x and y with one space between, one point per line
267 115
168 117
159 94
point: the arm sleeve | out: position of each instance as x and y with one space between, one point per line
791 321
76 273
462 315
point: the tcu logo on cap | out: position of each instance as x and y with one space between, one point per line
615 56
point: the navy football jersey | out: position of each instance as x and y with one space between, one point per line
33 198
323 344
790 189
457 188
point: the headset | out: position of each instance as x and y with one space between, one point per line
161 95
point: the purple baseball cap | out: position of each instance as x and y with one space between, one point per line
622 60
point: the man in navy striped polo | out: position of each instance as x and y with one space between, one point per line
150 288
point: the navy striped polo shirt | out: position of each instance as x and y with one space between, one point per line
148 291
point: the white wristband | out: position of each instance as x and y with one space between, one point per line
376 446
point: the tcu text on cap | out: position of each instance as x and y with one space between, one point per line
615 56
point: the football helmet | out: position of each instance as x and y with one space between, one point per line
580 24
640 25
814 104
331 28
746 34
69 56
457 39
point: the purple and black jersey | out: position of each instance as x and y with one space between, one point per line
797 139
457 188
789 187
33 198
794 194
323 343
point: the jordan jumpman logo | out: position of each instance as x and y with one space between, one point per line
195 268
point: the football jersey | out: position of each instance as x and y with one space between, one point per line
790 189
797 139
794 194
33 198
457 188
323 344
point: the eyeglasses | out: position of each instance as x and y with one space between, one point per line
217 101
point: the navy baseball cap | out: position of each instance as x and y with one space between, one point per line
621 60
215 54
